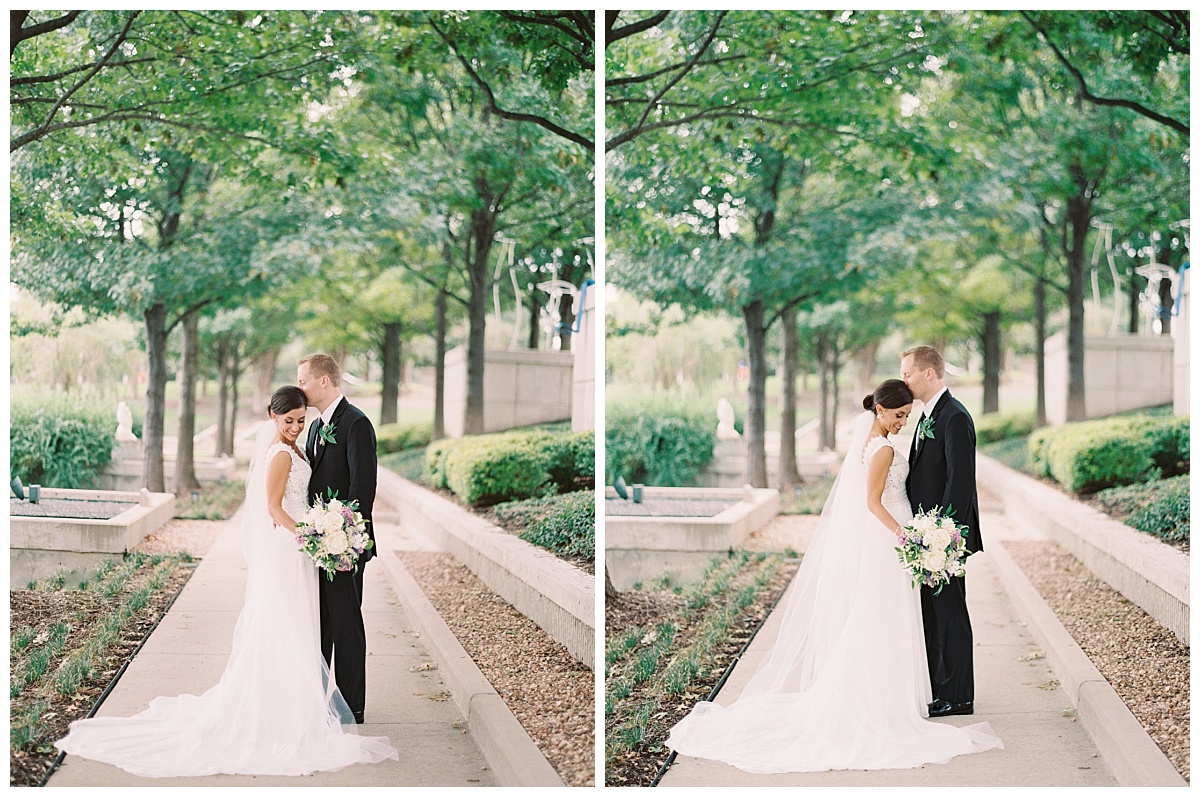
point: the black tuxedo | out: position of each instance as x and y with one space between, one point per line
348 466
942 474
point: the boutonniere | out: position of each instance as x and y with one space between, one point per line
925 428
326 434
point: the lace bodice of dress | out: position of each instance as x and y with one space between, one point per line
295 492
895 497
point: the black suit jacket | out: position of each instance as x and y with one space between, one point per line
347 466
941 471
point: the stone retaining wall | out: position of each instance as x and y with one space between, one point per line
1148 572
557 596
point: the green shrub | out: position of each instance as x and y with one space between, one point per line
1039 444
487 469
572 460
565 526
995 427
1092 455
1170 444
393 437
1087 457
435 461
657 445
60 443
1160 508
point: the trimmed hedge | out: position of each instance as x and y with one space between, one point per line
60 444
1160 508
1092 455
652 445
995 427
393 437
487 469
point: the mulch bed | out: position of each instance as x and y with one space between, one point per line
641 765
33 609
1147 665
551 694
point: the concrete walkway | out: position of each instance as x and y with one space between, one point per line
1016 692
407 698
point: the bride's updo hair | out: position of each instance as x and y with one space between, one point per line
286 399
890 394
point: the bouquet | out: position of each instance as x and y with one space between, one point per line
333 534
933 548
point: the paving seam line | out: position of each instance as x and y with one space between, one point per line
505 743
1134 758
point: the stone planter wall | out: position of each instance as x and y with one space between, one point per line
557 596
1148 572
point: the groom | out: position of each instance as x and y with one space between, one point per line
341 450
942 474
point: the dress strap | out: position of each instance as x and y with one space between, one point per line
873 446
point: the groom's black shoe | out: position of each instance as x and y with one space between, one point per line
944 708
358 717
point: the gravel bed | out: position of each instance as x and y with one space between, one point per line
666 507
194 537
68 508
551 694
1146 664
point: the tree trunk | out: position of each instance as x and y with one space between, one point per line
1135 290
1039 348
610 592
991 362
1166 304
222 396
789 474
156 394
264 377
1079 216
835 369
439 371
566 316
824 434
535 324
756 417
390 388
483 230
864 373
235 373
185 461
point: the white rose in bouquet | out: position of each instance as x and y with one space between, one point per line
934 561
334 505
924 524
937 539
329 523
337 542
312 516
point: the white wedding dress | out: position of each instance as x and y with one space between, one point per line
270 713
846 685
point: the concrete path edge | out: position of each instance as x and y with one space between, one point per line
1145 570
505 743
1126 747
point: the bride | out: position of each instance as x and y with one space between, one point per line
846 685
275 710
